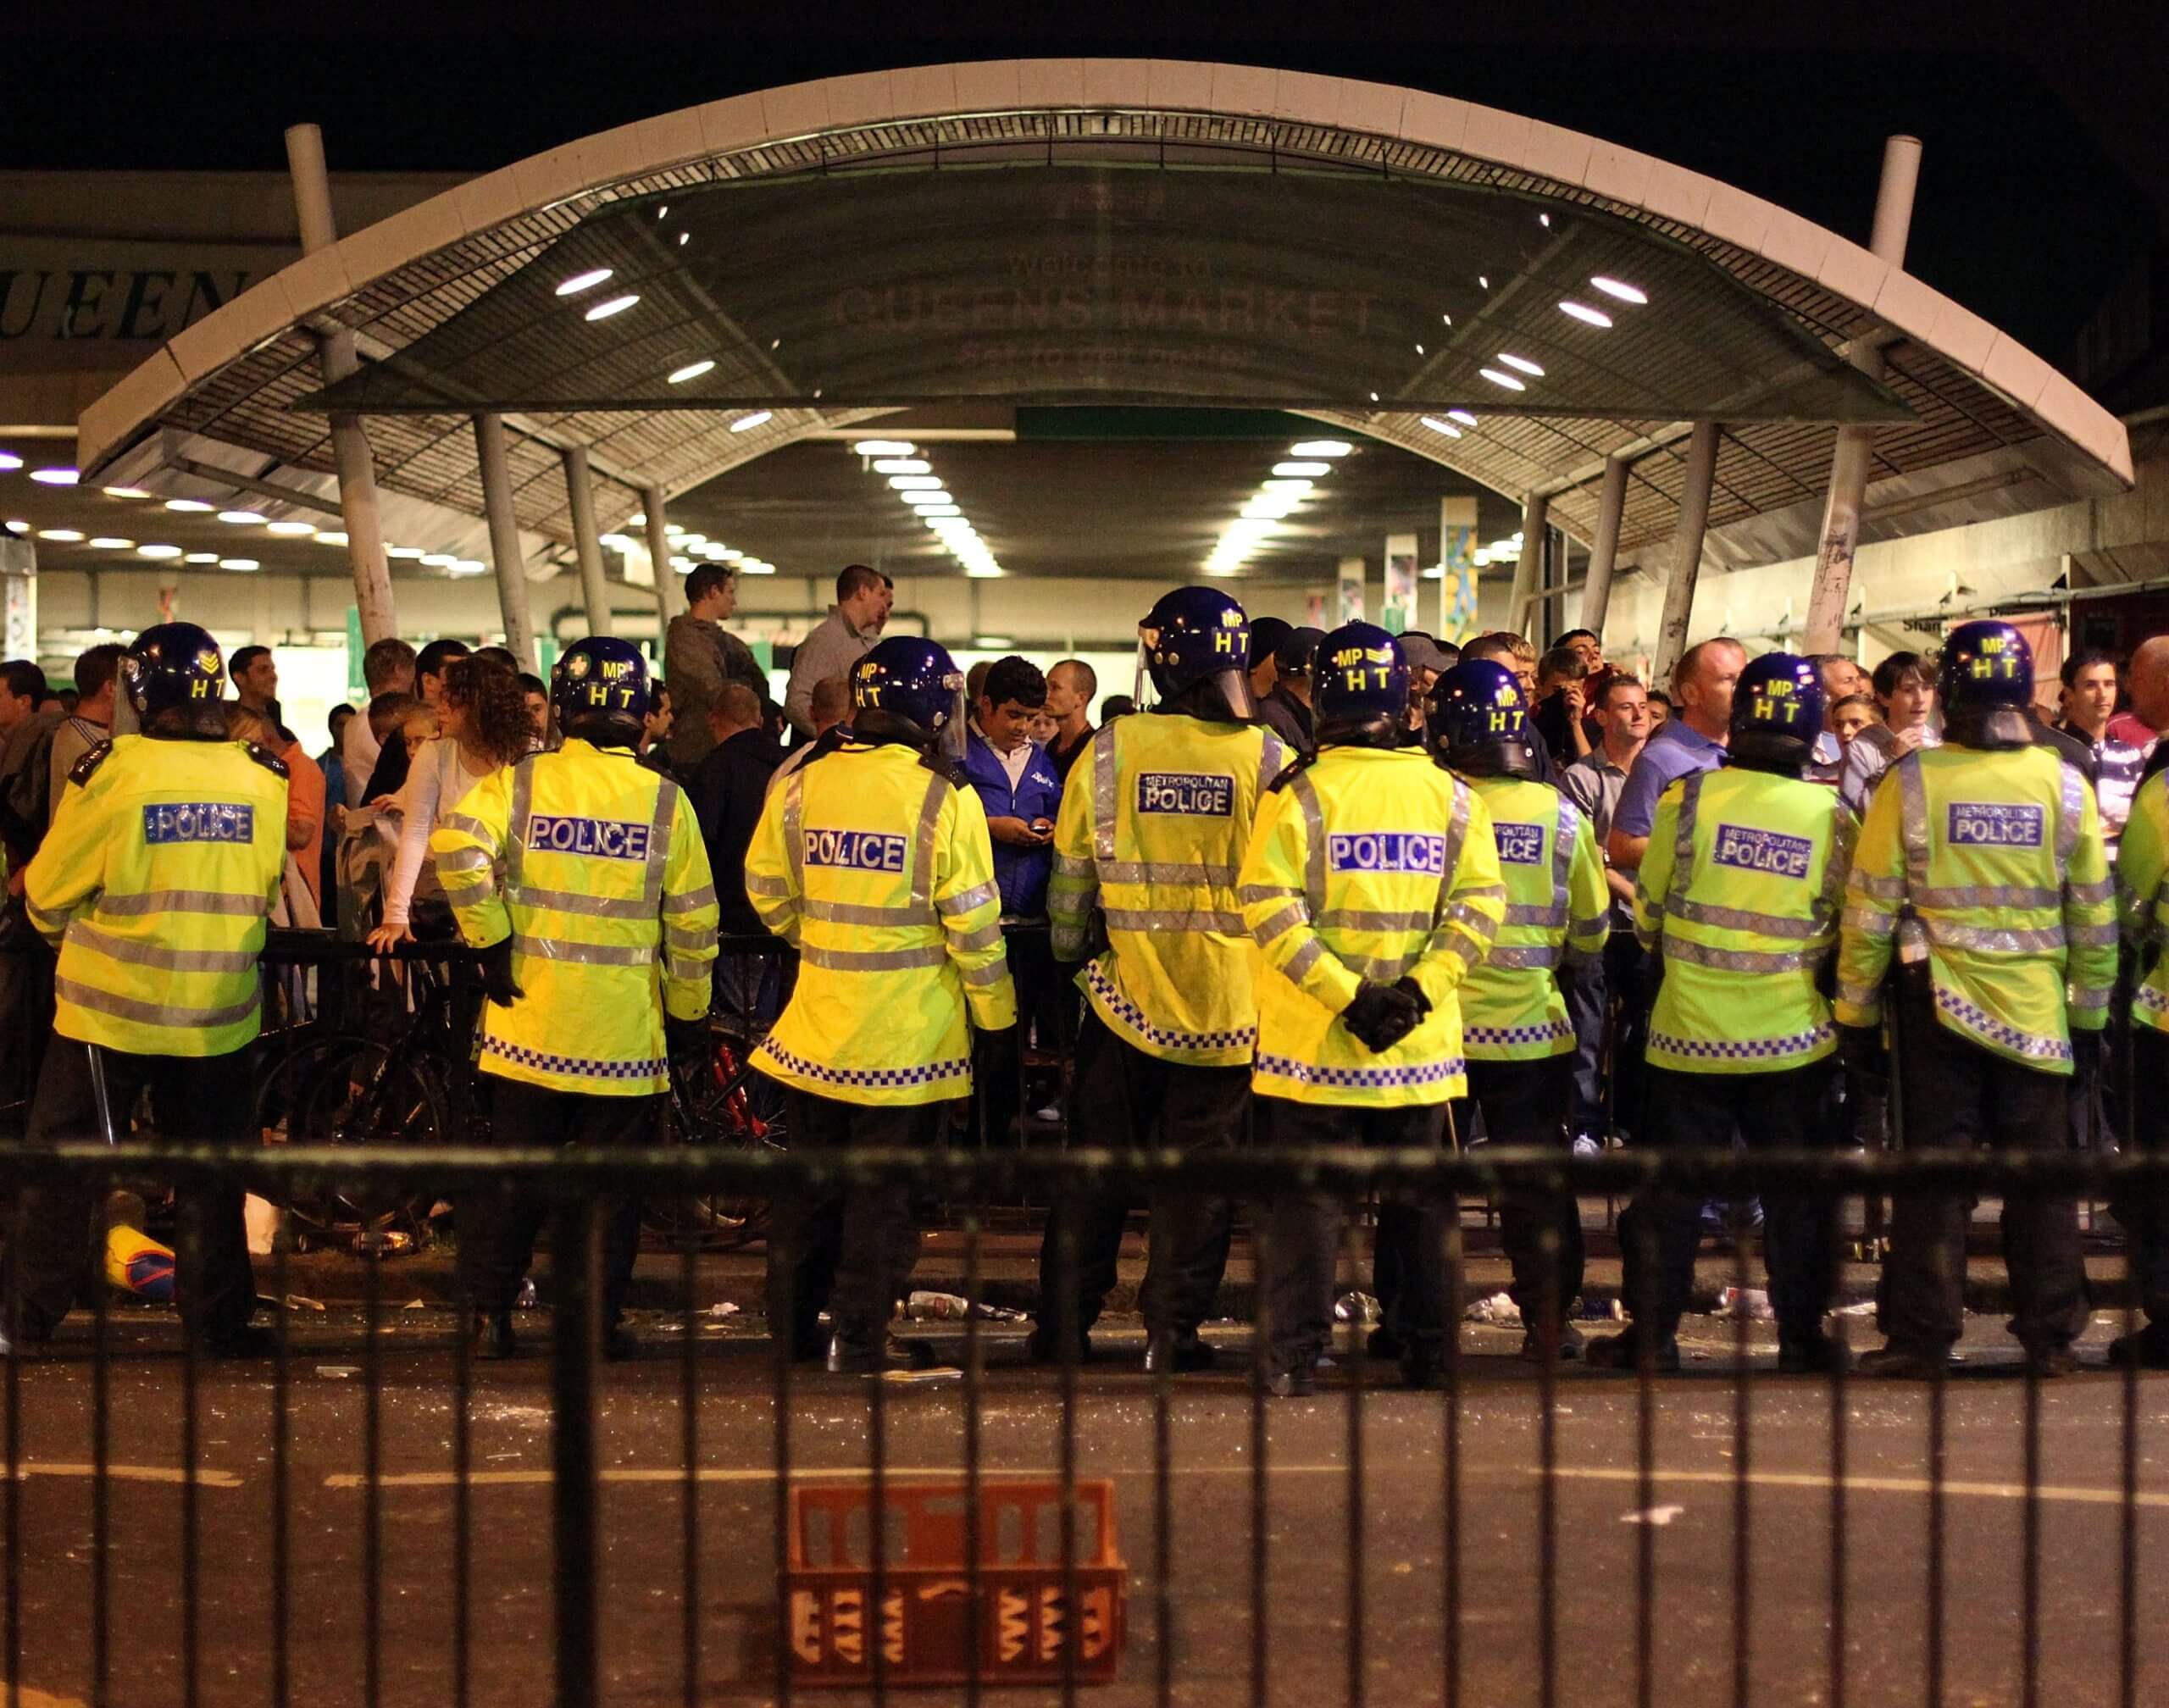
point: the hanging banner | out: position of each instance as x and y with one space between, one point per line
1457 566
1398 614
1314 611
1351 590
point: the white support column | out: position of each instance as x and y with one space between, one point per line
587 541
1528 568
1849 463
670 597
1686 551
504 538
349 445
1604 550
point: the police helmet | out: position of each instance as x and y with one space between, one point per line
1986 684
599 689
1360 685
910 690
1476 720
1777 713
1195 645
173 664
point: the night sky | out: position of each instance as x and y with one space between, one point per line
2046 128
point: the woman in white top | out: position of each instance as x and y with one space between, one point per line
483 715
1905 688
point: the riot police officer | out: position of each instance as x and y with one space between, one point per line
1153 827
154 884
1739 896
1515 1031
583 874
873 860
1371 889
1981 863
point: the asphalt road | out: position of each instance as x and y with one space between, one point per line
1600 1520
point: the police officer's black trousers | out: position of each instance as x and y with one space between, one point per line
195 1099
1122 1098
1956 1093
1525 1104
1658 1232
2144 1210
851 1248
1302 1231
497 1229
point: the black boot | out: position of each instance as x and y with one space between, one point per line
1177 1350
878 1357
492 1336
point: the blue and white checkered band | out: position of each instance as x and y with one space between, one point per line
576 1067
1363 1079
863 851
868 1078
1762 850
1741 1049
1519 845
199 821
1994 824
1506 1037
1199 793
2153 1001
1130 1015
605 839
1387 850
1971 1018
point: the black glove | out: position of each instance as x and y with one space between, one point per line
1860 1049
682 1037
2086 1054
496 975
1381 1015
1414 992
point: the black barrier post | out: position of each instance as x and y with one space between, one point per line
576 1361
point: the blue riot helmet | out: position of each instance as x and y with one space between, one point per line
1986 685
175 668
1194 646
1359 684
599 691
1777 713
909 691
1477 721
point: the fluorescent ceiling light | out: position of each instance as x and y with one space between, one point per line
9 460
747 423
884 447
636 520
915 483
984 572
1286 484
615 305
1522 364
190 507
691 371
55 477
467 566
243 564
936 508
124 491
1619 289
1461 416
17 526
1585 314
616 542
672 531
241 519
1299 469
903 465
439 560
201 557
330 536
409 551
291 530
63 536
1446 427
157 553
1320 447
1499 379
583 281
113 542
663 211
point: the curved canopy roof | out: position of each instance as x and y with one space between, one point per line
1158 231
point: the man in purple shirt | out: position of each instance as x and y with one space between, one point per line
1693 741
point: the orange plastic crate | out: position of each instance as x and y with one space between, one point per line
925 1622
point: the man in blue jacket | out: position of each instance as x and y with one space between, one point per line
1019 788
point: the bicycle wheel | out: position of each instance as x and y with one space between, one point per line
717 1099
346 1090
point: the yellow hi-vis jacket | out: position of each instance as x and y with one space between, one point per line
595 866
1154 825
1998 855
1369 864
154 882
1739 893
2143 889
1558 912
881 873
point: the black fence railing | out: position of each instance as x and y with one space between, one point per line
362 1514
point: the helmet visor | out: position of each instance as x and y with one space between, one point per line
1231 687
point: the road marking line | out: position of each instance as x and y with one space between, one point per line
205 1477
717 1473
1866 1485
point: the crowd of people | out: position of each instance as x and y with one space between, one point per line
1345 888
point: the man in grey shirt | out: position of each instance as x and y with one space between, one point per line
846 635
700 655
1594 782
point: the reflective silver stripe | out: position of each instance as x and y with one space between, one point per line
1303 960
1175 919
1869 922
993 972
89 936
1265 892
873 960
684 971
465 860
182 901
2073 817
1387 971
692 902
1957 895
154 1014
1287 919
1520 913
2093 895
1836 859
523 792
572 901
794 839
1948 933
1306 798
466 827
658 840
1457 835
1271 761
1069 866
1677 948
863 913
985 937
1363 919
759 883
1881 889
2088 997
1562 855
1528 958
46 924
1166 872
781 921
1860 995
691 941
2093 936
965 900
585 954
1683 842
1103 803
1739 918
1068 942
1913 823
1481 926
929 824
